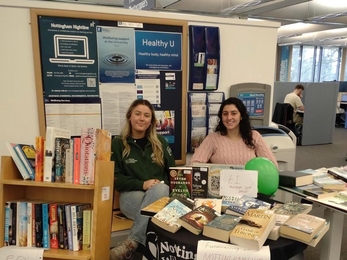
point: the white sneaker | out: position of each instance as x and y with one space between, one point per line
124 250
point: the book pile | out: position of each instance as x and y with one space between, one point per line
44 224
59 158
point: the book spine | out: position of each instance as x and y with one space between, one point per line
22 170
309 193
69 163
61 145
287 181
62 235
87 224
25 161
48 156
45 225
76 159
30 225
39 147
75 246
22 224
79 222
33 227
337 176
13 206
38 225
53 225
87 156
8 224
68 225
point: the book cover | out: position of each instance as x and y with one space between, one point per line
38 225
338 172
315 191
62 232
48 164
27 155
22 224
87 158
13 232
87 228
39 148
292 178
76 159
8 224
253 229
103 145
239 207
68 225
195 220
227 201
280 220
220 227
168 216
303 227
69 164
292 208
181 181
21 168
200 178
212 203
329 182
53 225
76 225
29 224
45 225
184 200
61 145
154 207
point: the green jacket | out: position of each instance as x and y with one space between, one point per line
132 171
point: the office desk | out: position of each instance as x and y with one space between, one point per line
182 245
331 242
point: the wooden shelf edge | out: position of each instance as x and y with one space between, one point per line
47 184
67 254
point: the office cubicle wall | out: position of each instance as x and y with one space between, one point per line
320 109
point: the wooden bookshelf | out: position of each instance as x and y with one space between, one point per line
100 195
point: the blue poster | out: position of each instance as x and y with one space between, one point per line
116 54
284 63
254 103
158 50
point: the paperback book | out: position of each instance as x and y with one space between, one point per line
292 208
212 203
181 181
330 183
280 220
23 170
220 227
315 191
239 207
338 172
154 207
200 179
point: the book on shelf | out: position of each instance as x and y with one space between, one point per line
68 225
200 182
7 224
330 182
45 225
48 166
292 208
29 224
338 201
38 224
18 162
315 240
76 159
22 224
153 208
195 220
39 156
13 231
167 217
227 201
62 231
338 173
184 200
294 178
303 227
180 181
253 229
76 224
87 158
61 145
239 207
280 220
69 163
220 227
53 225
87 228
315 191
213 203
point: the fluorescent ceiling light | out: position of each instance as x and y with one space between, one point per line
289 43
234 8
332 3
326 16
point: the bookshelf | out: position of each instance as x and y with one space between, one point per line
13 187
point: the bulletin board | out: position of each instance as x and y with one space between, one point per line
89 67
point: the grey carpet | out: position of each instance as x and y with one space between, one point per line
317 156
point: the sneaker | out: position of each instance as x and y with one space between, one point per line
124 250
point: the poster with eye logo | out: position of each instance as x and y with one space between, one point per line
116 54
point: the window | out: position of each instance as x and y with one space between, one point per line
295 67
307 64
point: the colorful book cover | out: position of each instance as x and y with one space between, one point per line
181 181
68 225
61 145
154 207
8 224
220 227
13 238
62 232
76 159
79 222
212 203
53 225
200 179
26 154
240 206
29 225
292 208
45 225
21 168
39 156
87 156
22 223
69 163
87 228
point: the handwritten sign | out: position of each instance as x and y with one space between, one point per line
238 183
20 253
209 250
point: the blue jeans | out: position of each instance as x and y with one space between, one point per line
131 203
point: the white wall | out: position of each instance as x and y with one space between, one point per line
248 51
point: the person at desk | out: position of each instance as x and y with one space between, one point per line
234 141
294 99
142 160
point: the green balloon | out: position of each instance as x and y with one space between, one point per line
267 174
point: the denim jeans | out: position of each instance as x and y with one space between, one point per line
131 202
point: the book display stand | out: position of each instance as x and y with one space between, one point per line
99 195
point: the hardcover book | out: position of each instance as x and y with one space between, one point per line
154 207
200 178
303 227
329 183
253 229
220 227
239 207
292 208
280 220
315 191
195 220
18 162
293 179
212 203
61 145
168 216
181 181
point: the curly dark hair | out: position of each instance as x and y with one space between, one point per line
245 124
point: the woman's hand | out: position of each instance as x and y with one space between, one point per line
150 183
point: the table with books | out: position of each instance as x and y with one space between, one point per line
319 190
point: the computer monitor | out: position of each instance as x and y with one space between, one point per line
344 97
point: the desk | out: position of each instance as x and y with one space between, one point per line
331 242
182 245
